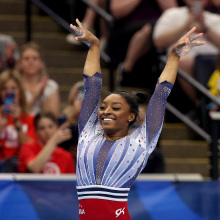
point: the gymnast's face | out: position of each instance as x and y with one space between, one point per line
114 116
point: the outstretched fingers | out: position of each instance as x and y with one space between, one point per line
195 37
186 43
78 30
198 43
74 27
82 34
190 32
79 23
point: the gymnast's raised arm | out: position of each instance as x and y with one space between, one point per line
185 43
92 64
92 76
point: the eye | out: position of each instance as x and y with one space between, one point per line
35 58
101 107
116 109
51 126
41 128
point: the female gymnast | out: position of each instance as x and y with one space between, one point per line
108 158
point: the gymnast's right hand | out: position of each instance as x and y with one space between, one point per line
84 34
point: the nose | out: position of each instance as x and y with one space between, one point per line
47 131
107 111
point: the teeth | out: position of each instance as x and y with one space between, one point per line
107 119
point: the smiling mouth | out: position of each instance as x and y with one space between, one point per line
107 119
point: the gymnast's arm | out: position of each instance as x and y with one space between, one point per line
92 64
92 75
156 108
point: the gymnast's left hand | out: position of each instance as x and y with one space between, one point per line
187 42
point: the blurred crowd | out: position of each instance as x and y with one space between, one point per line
37 136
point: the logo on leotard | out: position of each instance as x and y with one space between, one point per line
119 211
81 210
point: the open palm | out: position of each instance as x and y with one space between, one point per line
187 42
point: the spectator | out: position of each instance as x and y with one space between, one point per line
214 85
8 52
174 22
42 93
71 114
134 22
44 155
16 124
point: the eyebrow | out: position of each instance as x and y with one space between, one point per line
113 103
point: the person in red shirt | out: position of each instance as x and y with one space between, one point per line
16 124
44 155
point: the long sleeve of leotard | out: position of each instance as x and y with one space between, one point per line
90 104
151 128
156 110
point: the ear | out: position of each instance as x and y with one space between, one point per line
131 117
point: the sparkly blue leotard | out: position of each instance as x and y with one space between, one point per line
107 169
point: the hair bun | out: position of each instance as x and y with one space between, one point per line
142 97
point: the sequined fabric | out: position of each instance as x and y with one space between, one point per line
116 163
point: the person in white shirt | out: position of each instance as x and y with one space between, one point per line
175 22
42 93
